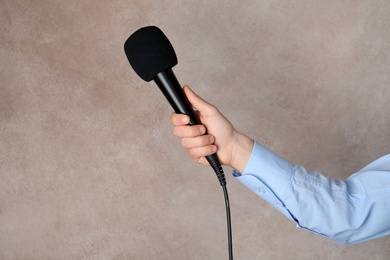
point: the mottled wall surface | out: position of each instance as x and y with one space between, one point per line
89 168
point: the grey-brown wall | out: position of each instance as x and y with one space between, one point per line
89 168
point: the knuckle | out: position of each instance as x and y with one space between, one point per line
177 131
174 120
184 142
171 118
192 153
213 109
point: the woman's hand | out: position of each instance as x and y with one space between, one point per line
233 148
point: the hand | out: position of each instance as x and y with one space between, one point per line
233 148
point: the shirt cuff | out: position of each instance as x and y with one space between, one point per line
268 175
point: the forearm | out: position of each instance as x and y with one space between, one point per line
241 151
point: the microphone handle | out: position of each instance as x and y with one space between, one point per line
170 87
173 92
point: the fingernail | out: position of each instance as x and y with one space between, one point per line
214 149
202 130
211 139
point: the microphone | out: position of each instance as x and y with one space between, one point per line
152 57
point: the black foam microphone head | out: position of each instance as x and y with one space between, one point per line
149 52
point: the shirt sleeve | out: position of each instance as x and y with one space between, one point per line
350 211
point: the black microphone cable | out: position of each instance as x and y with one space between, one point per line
229 223
221 177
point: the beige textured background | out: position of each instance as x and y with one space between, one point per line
89 168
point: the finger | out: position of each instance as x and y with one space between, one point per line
203 151
197 102
202 160
199 141
179 119
189 131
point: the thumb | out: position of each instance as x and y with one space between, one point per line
197 102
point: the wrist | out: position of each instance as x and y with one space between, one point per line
242 150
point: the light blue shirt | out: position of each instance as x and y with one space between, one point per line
350 211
